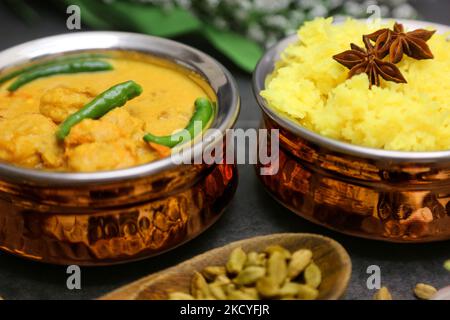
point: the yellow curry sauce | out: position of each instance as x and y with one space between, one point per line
29 118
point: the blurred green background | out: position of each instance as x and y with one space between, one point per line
240 29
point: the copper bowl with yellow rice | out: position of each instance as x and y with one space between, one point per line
361 190
121 212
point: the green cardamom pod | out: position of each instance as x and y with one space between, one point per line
180 296
300 259
383 294
255 259
236 261
230 288
252 292
447 265
217 291
212 272
222 280
289 289
277 267
424 291
239 295
199 287
306 292
313 275
267 287
249 275
276 248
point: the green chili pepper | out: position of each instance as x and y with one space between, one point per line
112 98
75 66
203 112
81 56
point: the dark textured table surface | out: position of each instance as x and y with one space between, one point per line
251 213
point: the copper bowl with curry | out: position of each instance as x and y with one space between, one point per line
79 184
365 191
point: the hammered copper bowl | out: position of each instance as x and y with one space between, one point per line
371 193
122 215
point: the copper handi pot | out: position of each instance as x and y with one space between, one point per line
121 215
370 193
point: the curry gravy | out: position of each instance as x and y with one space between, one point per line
30 117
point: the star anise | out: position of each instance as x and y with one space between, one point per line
397 41
369 61
383 41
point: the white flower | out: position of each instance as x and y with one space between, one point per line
186 4
220 23
256 33
335 3
404 11
307 4
241 15
394 3
277 21
266 21
318 11
368 3
384 11
340 18
245 5
212 3
270 5
296 16
354 9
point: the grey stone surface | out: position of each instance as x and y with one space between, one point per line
251 213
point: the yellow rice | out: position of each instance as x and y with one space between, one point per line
311 88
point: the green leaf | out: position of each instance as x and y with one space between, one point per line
163 22
158 21
89 14
239 49
137 17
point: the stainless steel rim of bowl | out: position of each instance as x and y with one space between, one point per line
215 73
265 67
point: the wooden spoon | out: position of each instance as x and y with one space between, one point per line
329 255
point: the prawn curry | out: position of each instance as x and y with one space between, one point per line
92 113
